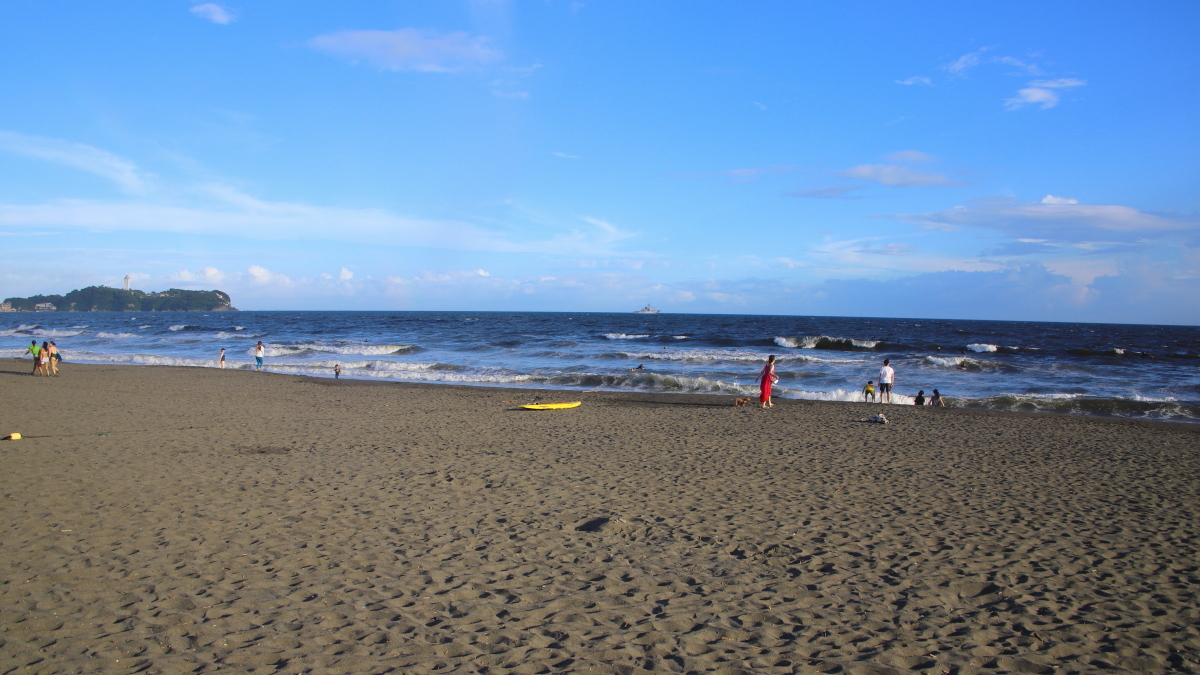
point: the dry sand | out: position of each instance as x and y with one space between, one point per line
180 520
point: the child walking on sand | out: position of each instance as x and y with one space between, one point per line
869 391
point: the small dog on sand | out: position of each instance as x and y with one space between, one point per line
741 402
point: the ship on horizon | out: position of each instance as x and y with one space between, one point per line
647 310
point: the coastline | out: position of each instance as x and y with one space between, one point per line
283 523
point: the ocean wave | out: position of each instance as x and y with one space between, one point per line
50 332
239 328
111 336
712 355
144 327
680 337
982 348
277 350
623 336
967 363
1137 407
826 342
179 327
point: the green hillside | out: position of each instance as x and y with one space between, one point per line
104 299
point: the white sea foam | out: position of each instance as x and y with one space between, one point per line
49 332
681 337
239 328
26 326
78 326
981 348
277 350
114 335
738 355
825 341
177 327
144 327
623 336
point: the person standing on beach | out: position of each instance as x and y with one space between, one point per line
887 377
258 355
52 359
221 360
765 380
337 371
43 360
35 351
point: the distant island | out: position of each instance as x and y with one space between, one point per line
105 299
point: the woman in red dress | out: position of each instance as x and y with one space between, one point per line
765 381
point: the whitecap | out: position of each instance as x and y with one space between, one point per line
978 347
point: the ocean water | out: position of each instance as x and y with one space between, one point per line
1150 372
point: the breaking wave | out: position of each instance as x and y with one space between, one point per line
272 350
623 336
1139 407
827 342
113 336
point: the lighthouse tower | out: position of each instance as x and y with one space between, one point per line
126 282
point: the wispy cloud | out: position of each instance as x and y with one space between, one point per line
409 49
827 192
916 79
898 176
909 156
213 12
77 156
966 62
1055 221
564 155
1042 92
743 175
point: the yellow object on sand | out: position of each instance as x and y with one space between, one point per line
14 436
552 406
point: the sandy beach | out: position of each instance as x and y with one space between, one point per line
187 520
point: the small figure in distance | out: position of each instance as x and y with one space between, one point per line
887 377
920 399
35 351
52 359
221 360
766 379
936 399
337 371
640 367
869 391
258 355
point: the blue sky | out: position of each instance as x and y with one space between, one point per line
1010 160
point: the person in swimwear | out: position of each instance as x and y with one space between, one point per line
869 391
765 380
937 400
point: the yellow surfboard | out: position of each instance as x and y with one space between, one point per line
552 406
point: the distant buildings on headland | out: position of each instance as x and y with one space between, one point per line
105 299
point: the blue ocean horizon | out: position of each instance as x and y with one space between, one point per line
1123 370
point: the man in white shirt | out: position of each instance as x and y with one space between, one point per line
887 377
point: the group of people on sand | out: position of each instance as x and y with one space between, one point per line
887 378
45 358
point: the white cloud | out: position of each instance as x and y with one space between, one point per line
213 12
898 176
916 79
1029 68
565 155
908 156
209 275
1066 221
230 212
409 49
262 276
1042 92
827 192
345 274
1051 199
964 63
77 156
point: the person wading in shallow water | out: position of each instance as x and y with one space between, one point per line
765 381
258 355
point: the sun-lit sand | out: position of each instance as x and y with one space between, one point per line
181 520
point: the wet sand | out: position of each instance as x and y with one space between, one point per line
181 520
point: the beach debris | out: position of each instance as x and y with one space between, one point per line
879 419
14 436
